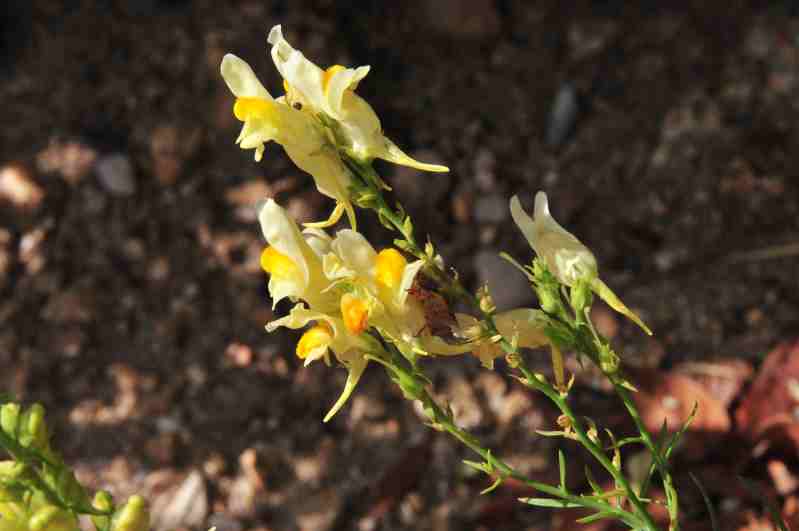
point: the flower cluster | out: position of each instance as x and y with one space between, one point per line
351 300
318 121
346 287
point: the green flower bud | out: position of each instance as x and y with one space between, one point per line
133 516
608 360
581 296
52 518
11 469
9 419
34 429
102 502
548 298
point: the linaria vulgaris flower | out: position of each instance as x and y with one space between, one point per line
331 92
565 256
342 287
302 135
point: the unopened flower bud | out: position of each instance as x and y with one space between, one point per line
581 296
133 516
9 418
52 518
34 429
102 502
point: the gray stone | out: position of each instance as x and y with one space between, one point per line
115 173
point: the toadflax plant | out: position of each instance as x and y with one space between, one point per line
357 304
39 492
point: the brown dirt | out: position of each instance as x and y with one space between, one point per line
136 314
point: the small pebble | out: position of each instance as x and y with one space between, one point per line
115 173
563 117
18 187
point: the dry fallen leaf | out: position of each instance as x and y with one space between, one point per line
768 410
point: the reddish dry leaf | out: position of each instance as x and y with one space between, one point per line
671 396
723 379
767 410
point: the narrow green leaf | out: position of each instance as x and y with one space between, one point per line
546 433
595 517
493 486
474 465
591 481
549 502
562 468
677 436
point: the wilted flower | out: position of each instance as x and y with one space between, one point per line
565 256
300 133
524 325
331 92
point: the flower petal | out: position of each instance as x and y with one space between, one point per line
339 83
240 78
355 251
392 153
355 366
566 257
301 74
526 324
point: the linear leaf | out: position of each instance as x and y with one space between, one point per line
549 502
595 517
562 468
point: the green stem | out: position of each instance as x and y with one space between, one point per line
453 286
596 451
672 500
444 420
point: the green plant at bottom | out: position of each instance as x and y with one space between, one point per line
39 492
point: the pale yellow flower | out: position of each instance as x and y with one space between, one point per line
565 256
329 334
348 287
302 135
294 260
332 92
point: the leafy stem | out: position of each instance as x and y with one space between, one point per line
413 385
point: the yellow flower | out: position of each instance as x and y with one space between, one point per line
565 256
293 260
332 92
302 136
329 334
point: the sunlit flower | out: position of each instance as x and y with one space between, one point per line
294 260
347 286
301 134
565 256
331 92
329 334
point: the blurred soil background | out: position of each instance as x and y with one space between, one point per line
132 305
